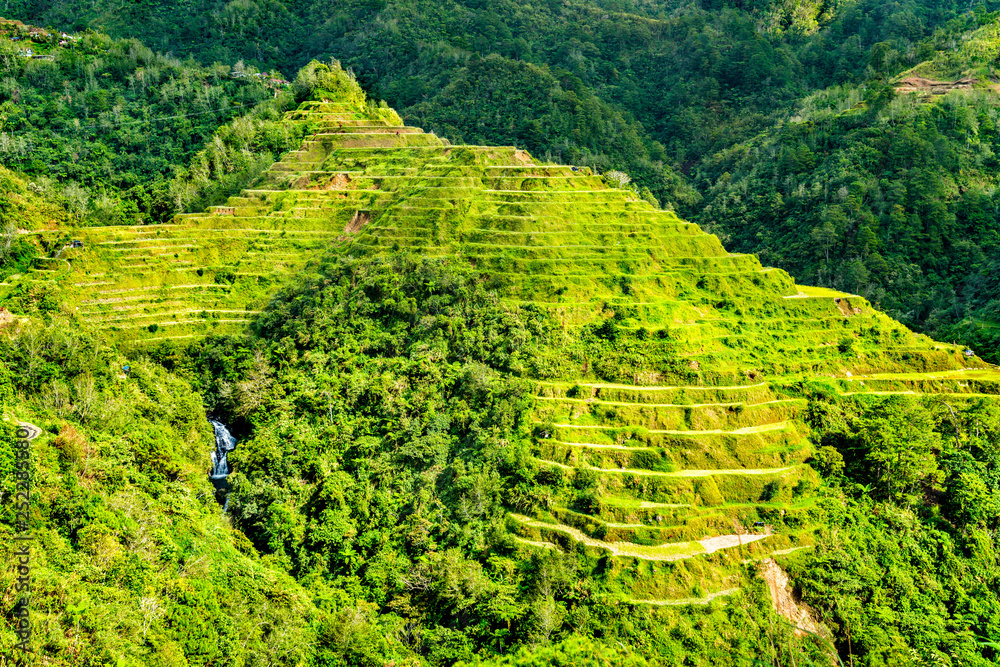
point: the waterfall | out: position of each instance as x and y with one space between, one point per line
224 443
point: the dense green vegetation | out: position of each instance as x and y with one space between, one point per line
384 437
904 590
905 564
699 77
131 562
496 100
104 125
886 194
879 194
446 462
388 439
21 208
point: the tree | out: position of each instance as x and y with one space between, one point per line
825 235
7 238
971 501
900 443
617 179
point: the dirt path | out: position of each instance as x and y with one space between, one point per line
540 545
595 401
602 385
713 544
641 504
746 430
665 552
612 524
669 551
592 445
777 552
33 431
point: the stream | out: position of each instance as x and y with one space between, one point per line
224 443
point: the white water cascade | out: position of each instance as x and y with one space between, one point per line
224 443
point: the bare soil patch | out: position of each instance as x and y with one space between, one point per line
713 544
845 307
784 601
359 220
338 182
919 84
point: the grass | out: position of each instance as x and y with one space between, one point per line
679 602
664 552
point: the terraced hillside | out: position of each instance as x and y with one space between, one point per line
688 455
209 271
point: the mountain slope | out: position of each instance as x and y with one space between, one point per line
657 90
130 561
101 125
881 190
698 78
515 401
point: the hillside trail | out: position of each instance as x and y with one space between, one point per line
598 401
746 430
669 551
680 602
609 385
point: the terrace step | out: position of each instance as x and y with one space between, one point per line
664 552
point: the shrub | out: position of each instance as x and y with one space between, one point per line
828 462
71 444
617 179
709 492
587 502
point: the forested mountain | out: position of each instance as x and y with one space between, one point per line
103 125
890 197
129 548
698 77
885 189
489 411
